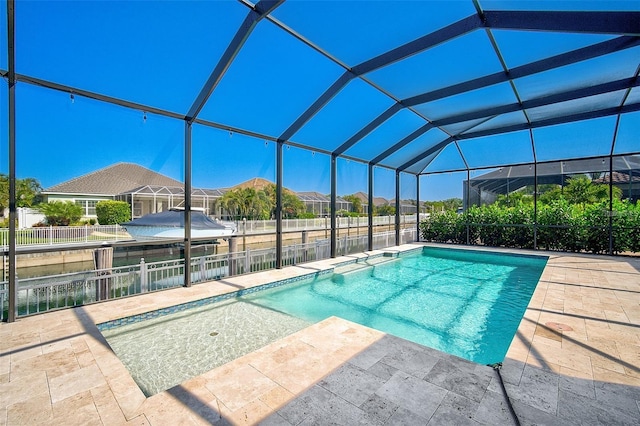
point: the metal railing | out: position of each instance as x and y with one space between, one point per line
41 294
51 235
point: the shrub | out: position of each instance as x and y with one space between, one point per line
61 213
625 222
444 227
561 226
596 227
4 222
306 215
112 212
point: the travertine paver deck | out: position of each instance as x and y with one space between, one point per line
574 360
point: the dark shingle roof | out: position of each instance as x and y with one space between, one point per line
113 180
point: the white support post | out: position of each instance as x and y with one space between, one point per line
143 276
203 269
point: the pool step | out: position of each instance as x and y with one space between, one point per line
341 271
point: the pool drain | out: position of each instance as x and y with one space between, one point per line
213 333
559 326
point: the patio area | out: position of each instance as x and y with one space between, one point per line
574 360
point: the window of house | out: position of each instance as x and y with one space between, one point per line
137 209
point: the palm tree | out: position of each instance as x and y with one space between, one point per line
356 203
59 213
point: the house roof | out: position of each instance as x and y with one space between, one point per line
364 198
113 180
512 178
618 178
312 196
255 183
173 190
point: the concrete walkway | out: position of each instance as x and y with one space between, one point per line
574 360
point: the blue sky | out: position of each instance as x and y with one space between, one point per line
162 52
165 65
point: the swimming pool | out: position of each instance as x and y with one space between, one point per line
464 302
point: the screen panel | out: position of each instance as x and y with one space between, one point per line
385 135
575 140
455 61
271 82
349 111
498 150
627 140
102 46
352 30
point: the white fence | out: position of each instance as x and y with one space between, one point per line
292 225
51 235
57 235
42 294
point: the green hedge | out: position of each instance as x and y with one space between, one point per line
560 226
112 212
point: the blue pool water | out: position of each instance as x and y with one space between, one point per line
463 302
467 303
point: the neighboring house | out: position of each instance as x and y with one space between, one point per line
377 201
146 191
320 204
627 181
405 206
486 188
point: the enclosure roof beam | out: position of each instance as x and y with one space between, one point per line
518 127
97 96
557 61
566 21
590 115
598 89
423 43
405 141
261 9
567 58
368 129
428 41
426 153
333 90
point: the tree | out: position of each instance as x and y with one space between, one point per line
356 203
550 193
581 190
112 212
514 199
246 203
59 213
27 192
292 206
385 210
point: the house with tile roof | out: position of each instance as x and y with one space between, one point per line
146 191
